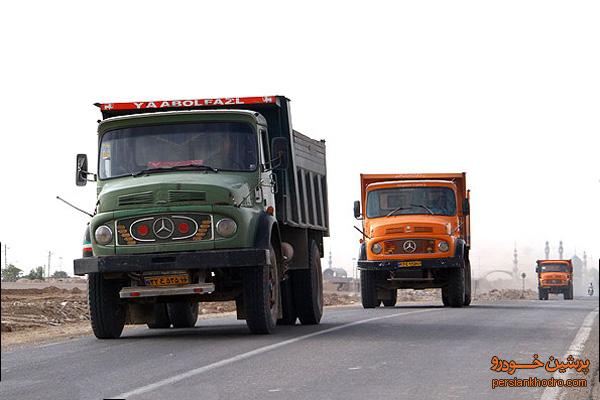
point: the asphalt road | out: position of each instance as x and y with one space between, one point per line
416 351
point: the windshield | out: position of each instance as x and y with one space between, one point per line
554 268
222 145
411 200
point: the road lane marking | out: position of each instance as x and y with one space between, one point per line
575 350
255 352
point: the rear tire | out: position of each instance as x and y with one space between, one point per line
445 297
368 289
456 287
161 317
183 314
288 312
391 302
107 312
308 288
261 296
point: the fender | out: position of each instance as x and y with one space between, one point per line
266 224
461 249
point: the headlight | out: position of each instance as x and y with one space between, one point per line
443 246
226 227
376 248
103 235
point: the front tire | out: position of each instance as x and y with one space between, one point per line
368 289
308 288
107 312
467 301
183 314
261 296
456 287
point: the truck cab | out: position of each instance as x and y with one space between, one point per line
198 201
415 235
555 276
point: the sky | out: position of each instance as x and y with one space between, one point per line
505 91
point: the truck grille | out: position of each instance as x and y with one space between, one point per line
169 228
409 246
553 282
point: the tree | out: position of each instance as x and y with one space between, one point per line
60 274
37 273
11 273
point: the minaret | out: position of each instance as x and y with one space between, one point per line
560 251
547 250
515 271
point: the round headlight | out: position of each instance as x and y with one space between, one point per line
443 246
376 248
103 235
226 227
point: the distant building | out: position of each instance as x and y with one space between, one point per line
331 273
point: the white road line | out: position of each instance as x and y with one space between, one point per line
260 350
553 393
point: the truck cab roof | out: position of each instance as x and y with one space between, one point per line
410 183
141 117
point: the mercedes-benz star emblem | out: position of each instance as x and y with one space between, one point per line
163 228
409 246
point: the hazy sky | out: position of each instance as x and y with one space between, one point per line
506 91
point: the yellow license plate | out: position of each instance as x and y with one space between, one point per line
167 280
410 263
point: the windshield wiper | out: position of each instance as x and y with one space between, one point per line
422 206
397 209
191 167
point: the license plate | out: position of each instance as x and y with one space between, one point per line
410 263
167 280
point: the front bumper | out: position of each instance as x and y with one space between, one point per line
426 263
233 258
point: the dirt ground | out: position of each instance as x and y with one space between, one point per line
38 315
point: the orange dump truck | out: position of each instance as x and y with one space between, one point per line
416 235
555 276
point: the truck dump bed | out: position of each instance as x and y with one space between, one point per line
301 198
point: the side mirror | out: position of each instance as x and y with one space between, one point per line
537 269
357 214
280 152
81 170
466 209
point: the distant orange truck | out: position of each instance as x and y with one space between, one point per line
416 235
555 276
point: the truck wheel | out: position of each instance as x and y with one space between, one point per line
368 289
393 298
456 287
445 296
161 317
183 314
308 288
288 312
107 313
541 294
261 296
568 294
467 301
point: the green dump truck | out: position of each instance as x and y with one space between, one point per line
204 200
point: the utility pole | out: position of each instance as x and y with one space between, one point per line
49 258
